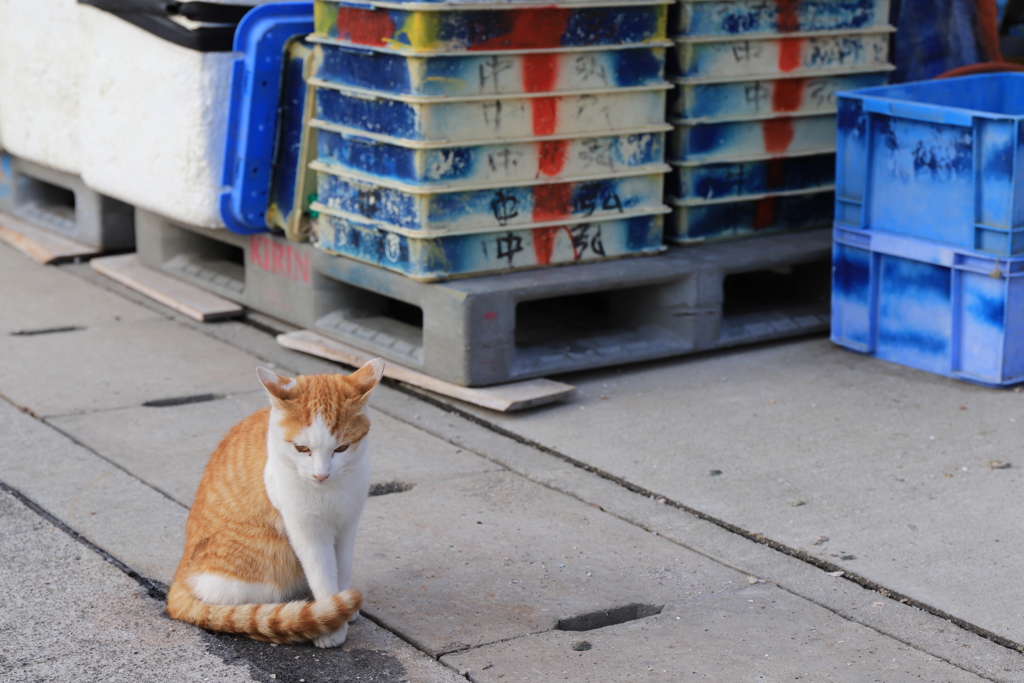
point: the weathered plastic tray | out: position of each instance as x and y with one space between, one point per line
704 221
756 99
493 165
490 75
439 258
701 181
447 29
743 17
455 120
490 208
467 5
752 138
816 54
288 182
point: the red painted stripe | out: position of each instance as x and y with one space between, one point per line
525 29
540 72
551 202
364 27
552 157
778 133
787 19
789 54
544 244
764 216
788 94
545 115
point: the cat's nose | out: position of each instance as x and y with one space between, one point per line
321 477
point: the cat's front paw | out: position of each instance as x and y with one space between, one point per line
332 639
352 619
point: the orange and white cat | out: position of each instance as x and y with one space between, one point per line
275 517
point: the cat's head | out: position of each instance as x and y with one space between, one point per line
316 421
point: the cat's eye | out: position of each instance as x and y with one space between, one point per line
301 449
341 449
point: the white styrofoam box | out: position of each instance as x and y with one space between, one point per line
42 64
139 118
154 119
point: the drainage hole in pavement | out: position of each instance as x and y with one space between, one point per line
384 488
180 400
46 330
617 615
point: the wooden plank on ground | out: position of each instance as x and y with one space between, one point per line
39 244
503 397
187 299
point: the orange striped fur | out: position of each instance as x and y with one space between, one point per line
236 535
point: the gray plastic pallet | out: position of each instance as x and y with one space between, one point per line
60 202
500 328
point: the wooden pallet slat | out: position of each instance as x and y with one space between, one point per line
187 299
39 244
503 398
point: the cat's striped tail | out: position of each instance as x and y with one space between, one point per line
285 622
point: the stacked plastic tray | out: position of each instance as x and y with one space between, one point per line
928 260
754 109
461 138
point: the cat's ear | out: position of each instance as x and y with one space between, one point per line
277 386
368 376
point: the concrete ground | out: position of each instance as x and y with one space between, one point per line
783 512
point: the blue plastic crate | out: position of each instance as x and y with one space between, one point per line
748 139
703 101
929 306
941 160
255 114
412 30
493 74
738 58
695 221
478 120
6 178
443 257
490 208
495 165
748 17
697 180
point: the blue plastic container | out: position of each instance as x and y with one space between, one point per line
495 165
747 139
929 306
765 176
494 74
732 58
478 120
743 17
753 99
736 218
6 178
941 160
439 258
263 36
291 132
465 28
490 208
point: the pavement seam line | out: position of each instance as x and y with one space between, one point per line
153 588
203 328
44 421
759 538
